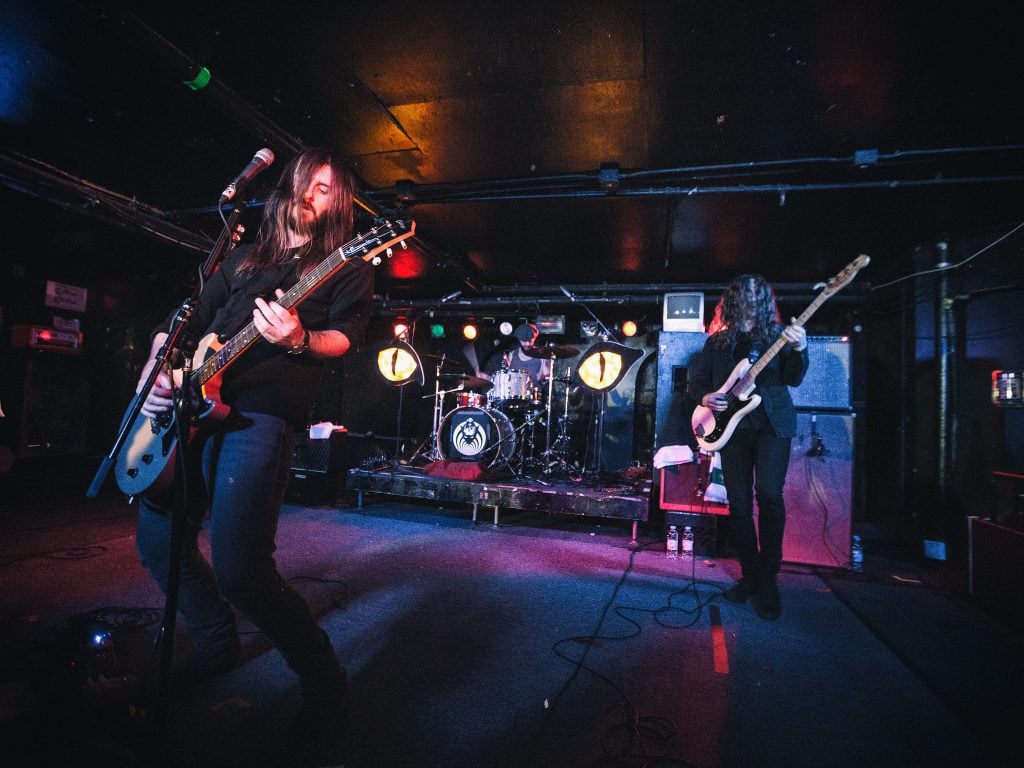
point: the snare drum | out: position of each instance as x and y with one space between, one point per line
511 385
470 399
476 434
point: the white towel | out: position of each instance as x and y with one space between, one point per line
672 454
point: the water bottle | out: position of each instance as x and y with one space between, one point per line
857 555
672 543
687 543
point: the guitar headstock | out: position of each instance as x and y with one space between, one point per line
843 279
382 237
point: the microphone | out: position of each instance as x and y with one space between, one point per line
262 159
817 449
450 296
567 293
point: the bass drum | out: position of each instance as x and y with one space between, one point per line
476 434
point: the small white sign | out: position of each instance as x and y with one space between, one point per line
64 296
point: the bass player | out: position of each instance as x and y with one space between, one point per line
755 458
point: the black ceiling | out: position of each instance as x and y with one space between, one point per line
637 141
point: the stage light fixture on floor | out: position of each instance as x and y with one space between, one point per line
605 363
629 328
437 330
469 331
399 364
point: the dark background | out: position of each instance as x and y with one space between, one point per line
622 149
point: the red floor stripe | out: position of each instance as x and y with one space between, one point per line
721 653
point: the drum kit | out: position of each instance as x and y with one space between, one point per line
500 423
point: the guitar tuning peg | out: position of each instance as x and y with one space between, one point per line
376 261
390 252
405 246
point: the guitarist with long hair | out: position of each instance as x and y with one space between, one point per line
245 465
755 458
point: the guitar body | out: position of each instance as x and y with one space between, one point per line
146 463
714 428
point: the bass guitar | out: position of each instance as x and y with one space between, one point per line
714 428
145 463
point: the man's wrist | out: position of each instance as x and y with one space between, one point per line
303 346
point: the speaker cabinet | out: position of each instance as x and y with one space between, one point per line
819 490
828 383
315 470
677 351
47 403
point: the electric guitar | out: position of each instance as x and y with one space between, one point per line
714 428
145 463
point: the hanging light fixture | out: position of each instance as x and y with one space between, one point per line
399 364
605 363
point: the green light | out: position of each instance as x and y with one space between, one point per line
201 80
437 330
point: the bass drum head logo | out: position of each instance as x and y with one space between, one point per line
469 437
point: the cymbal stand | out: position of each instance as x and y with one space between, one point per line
432 453
561 445
547 436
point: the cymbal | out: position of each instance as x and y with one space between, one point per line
470 382
445 360
551 353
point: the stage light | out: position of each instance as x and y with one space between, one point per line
469 331
437 330
399 364
399 330
629 328
605 363
505 328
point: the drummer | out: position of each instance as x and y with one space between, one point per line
504 359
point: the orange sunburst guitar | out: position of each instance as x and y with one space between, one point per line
145 462
714 428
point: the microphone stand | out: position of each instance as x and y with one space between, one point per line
599 427
184 467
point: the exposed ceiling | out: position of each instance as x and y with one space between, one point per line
637 141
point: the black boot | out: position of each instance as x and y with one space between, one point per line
767 603
741 590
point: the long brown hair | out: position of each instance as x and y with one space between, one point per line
330 231
735 306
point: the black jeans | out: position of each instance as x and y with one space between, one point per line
246 471
754 463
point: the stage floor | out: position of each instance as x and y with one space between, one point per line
618 498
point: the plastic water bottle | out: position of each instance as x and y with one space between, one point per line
672 543
857 555
687 543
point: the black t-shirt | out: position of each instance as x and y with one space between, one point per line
265 378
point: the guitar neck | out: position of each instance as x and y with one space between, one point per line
780 342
